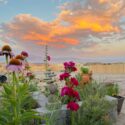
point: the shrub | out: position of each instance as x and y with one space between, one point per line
95 109
84 70
112 89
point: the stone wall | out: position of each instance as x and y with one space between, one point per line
62 116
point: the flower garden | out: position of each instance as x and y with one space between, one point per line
73 98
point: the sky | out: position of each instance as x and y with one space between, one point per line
78 30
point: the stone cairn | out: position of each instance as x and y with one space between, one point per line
49 74
51 88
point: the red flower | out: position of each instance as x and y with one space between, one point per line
75 94
70 92
73 106
70 66
74 81
74 69
66 91
64 76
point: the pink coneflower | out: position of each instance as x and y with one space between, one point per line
24 54
14 65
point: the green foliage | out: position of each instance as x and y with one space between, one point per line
84 70
54 118
112 89
12 111
30 104
33 87
94 110
91 89
78 77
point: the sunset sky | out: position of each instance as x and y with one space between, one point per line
79 30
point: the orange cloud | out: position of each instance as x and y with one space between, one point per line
95 25
36 37
46 39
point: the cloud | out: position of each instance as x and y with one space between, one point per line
25 27
3 1
79 27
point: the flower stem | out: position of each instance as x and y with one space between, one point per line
6 56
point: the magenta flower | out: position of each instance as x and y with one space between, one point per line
48 58
73 106
64 76
70 66
74 81
74 69
75 94
24 54
66 91
66 64
14 65
70 92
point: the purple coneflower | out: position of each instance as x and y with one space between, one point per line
6 48
7 51
14 65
